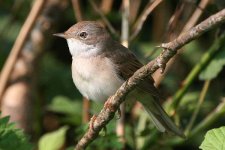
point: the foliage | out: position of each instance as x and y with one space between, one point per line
214 139
214 67
54 140
12 138
107 140
71 109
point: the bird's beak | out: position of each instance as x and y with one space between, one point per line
62 35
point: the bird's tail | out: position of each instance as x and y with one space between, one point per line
160 118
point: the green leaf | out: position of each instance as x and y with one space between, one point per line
214 139
72 109
214 67
4 121
64 105
53 140
12 138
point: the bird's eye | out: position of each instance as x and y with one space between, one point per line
83 35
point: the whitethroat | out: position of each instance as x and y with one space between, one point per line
100 65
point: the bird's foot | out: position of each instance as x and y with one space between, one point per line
103 131
91 124
118 114
109 106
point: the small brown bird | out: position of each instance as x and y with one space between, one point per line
101 65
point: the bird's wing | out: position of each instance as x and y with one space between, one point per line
127 64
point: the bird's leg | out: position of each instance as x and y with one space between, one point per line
118 114
91 125
108 105
104 131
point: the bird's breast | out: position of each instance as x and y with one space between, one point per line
95 77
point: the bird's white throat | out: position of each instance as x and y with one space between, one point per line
80 49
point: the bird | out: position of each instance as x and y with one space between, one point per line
100 65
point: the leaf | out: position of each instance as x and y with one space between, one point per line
12 138
53 140
214 67
71 109
214 139
4 121
64 105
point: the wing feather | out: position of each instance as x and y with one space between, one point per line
126 64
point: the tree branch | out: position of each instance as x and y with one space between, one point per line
140 21
120 127
190 23
77 10
170 49
104 19
18 45
198 107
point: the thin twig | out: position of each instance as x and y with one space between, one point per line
77 10
167 36
16 49
125 23
172 31
140 21
86 110
211 118
170 49
197 109
86 103
190 23
19 93
196 15
174 22
120 130
134 7
194 72
106 21
106 6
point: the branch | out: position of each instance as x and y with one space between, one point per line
77 10
211 118
18 45
86 103
204 60
120 127
190 23
19 94
139 23
105 20
197 14
198 107
170 49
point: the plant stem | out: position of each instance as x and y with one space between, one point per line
197 109
195 71
217 113
210 119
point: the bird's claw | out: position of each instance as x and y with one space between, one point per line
91 125
118 115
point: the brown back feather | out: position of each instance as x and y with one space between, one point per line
127 64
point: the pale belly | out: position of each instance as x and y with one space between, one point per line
95 79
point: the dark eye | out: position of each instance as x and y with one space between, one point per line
83 35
